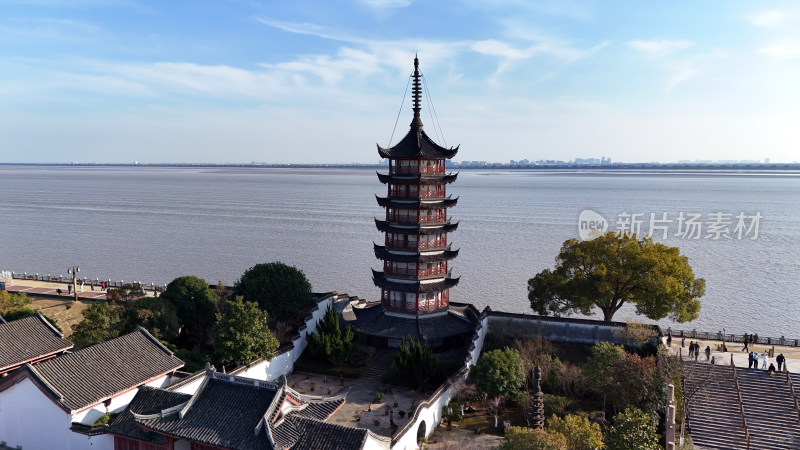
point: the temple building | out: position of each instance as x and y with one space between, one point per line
416 280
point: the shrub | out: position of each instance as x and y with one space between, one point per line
518 438
580 433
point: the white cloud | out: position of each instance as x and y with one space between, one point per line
659 48
772 18
786 49
386 4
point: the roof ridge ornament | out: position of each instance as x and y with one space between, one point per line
417 94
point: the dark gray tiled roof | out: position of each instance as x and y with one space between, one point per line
28 339
417 178
226 412
96 373
328 436
387 227
147 401
417 144
374 321
222 414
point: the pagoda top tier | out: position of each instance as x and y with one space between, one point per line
417 144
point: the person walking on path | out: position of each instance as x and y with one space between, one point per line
69 289
764 360
746 340
780 360
696 350
691 349
669 340
708 353
749 360
683 342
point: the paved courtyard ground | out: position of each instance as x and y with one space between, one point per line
361 410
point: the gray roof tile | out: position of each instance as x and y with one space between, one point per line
29 339
96 373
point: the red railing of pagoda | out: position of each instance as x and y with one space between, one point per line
401 193
415 169
415 272
438 243
422 219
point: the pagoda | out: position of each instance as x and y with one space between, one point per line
415 281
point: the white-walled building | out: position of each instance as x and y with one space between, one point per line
40 404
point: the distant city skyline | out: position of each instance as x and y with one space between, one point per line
118 81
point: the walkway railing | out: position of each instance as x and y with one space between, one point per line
794 395
734 338
741 403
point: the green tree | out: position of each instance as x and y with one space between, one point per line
196 307
624 379
499 372
415 361
615 269
519 438
155 314
101 322
331 340
128 292
242 333
9 301
580 433
281 290
633 430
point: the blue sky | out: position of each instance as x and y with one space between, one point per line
310 81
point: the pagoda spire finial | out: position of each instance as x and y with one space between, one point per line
417 91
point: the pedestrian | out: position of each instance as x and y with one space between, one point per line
58 291
713 360
780 359
764 359
750 360
92 286
669 340
683 342
771 369
746 341
696 351
708 352
69 289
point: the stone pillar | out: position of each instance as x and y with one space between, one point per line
669 425
536 409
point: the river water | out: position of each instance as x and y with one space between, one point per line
153 224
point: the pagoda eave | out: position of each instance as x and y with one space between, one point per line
417 179
387 227
387 202
383 253
380 280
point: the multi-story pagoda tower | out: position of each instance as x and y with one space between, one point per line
416 277
415 281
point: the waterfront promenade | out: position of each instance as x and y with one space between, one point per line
792 354
49 289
